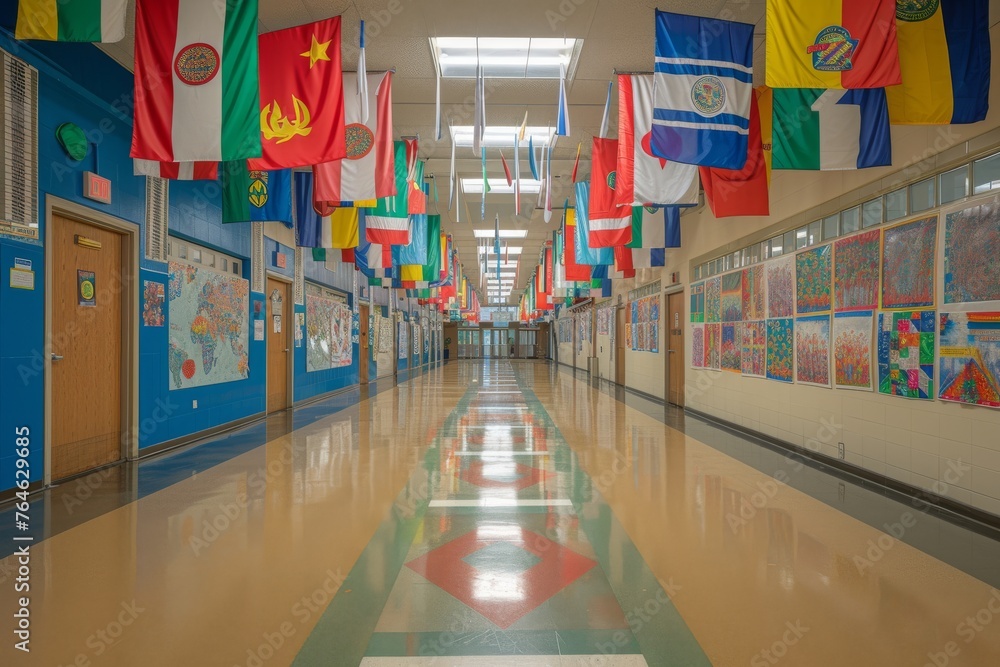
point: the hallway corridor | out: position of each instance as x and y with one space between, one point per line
504 513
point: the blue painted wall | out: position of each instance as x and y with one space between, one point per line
78 83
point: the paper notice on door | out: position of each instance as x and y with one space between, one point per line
22 279
277 324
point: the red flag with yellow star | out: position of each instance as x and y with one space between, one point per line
301 96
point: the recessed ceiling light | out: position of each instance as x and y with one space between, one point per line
512 250
504 57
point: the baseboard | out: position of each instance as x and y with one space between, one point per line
193 438
956 511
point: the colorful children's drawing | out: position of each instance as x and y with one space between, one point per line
908 252
906 353
856 271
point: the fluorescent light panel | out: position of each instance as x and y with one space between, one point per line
503 57
504 233
498 186
502 136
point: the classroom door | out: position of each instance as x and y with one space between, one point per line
675 348
87 311
278 326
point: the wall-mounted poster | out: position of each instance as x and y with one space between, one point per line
385 335
906 353
812 350
152 303
415 337
328 333
698 302
856 271
698 346
813 280
209 326
713 346
732 297
908 252
754 296
852 350
713 299
780 349
753 360
403 331
969 358
971 249
732 347
781 287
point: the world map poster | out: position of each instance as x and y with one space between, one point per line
328 334
209 327
906 353
969 358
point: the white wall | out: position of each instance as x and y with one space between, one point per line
921 443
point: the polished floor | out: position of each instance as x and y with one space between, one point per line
495 513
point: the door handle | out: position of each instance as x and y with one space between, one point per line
672 351
56 357
286 349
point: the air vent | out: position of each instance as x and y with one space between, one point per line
19 141
157 207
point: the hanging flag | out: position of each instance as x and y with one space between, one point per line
301 96
388 222
643 178
437 106
576 163
197 66
338 228
944 60
427 274
342 256
486 186
361 79
531 158
832 43
701 92
177 171
607 113
374 260
584 252
654 229
575 271
367 171
54 21
540 202
562 115
416 203
256 196
506 169
479 122
451 178
732 192
610 225
830 130
765 107
415 252
547 215
517 174
600 283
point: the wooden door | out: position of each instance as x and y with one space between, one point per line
363 351
675 348
278 326
86 353
620 344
